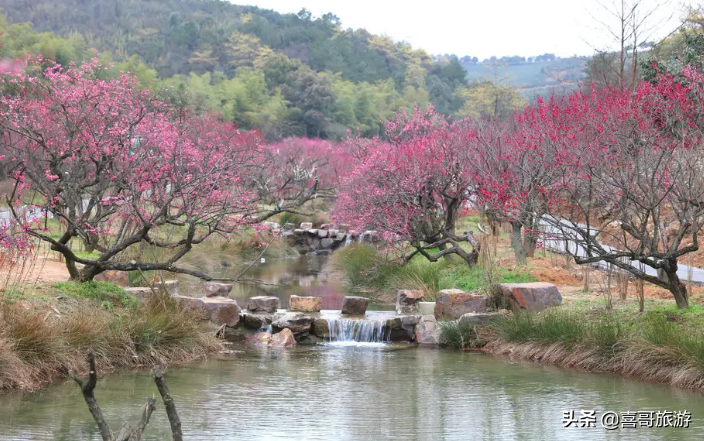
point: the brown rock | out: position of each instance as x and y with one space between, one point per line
320 328
170 286
283 339
212 289
260 340
355 305
140 292
407 301
256 321
534 297
451 304
295 321
306 304
221 311
427 331
266 304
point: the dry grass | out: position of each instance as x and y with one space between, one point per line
39 343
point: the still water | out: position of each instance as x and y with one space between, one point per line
348 392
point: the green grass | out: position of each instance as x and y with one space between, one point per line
367 269
108 294
459 335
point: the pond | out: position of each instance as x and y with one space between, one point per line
356 392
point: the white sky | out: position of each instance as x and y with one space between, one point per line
481 28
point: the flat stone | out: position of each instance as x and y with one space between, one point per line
326 243
452 304
312 232
327 226
410 320
354 305
221 311
283 339
297 322
170 286
340 236
212 289
306 225
479 318
305 303
407 301
322 234
267 304
140 292
534 297
427 331
298 232
256 321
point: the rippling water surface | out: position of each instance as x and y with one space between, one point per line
355 392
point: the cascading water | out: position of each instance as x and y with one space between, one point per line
359 331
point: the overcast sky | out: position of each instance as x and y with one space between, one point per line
480 28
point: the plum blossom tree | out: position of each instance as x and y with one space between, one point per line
411 188
118 168
632 177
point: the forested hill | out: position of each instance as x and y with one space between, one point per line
287 74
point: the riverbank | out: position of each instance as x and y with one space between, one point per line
45 331
662 345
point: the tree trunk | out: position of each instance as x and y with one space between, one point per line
530 242
88 273
677 288
517 244
72 269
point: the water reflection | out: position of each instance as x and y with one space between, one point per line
352 393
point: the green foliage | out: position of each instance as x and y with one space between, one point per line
552 326
105 292
458 335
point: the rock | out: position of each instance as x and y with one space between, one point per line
534 297
295 321
139 292
409 320
479 318
119 278
271 226
306 303
407 301
397 331
320 328
283 339
327 226
221 311
451 304
354 305
427 331
312 232
309 340
263 304
188 302
326 243
322 234
170 286
256 321
340 237
288 226
298 232
212 289
260 340
306 225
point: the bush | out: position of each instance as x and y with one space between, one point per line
551 326
458 335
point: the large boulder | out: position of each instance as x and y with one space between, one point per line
266 304
407 301
326 243
534 297
221 311
170 286
451 304
480 318
256 321
427 331
355 305
397 330
297 322
212 289
322 233
305 303
283 339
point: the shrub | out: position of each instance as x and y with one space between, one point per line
458 335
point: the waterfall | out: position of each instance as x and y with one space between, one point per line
364 331
348 240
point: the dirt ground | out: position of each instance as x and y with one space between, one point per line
43 270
